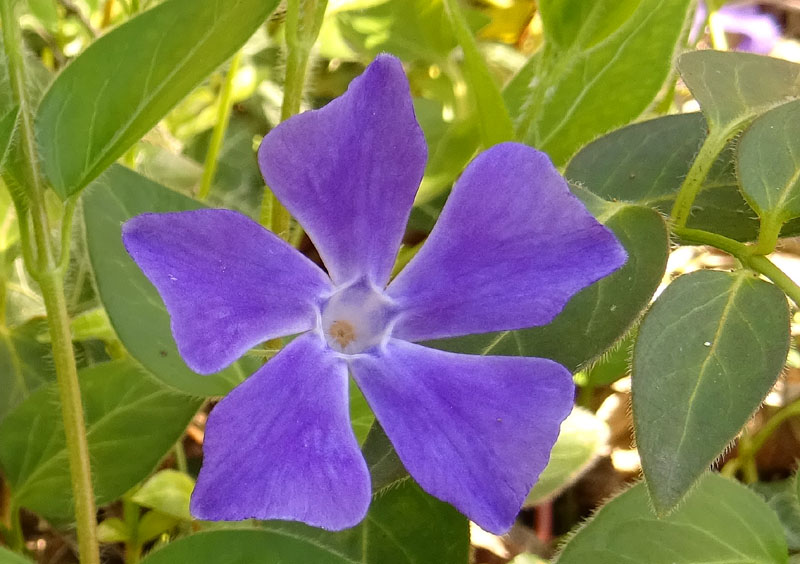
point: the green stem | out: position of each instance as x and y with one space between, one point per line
52 286
719 41
746 255
758 439
180 457
711 147
303 22
749 445
218 134
40 261
133 548
768 235
66 234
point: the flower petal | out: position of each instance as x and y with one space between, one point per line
280 445
511 247
474 431
349 172
228 283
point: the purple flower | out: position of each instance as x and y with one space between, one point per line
759 31
512 245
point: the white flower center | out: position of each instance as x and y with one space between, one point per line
356 318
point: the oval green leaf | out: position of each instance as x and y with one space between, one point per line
560 99
707 354
133 305
720 521
126 81
768 161
403 525
132 420
599 315
168 492
732 88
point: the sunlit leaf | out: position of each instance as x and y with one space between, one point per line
570 91
168 492
494 124
128 79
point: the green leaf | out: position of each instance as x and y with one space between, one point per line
8 557
168 492
720 521
113 530
412 30
707 354
23 364
599 315
782 497
7 123
732 88
154 524
127 80
133 305
403 525
46 12
646 162
385 467
132 421
569 92
494 124
583 438
361 416
768 161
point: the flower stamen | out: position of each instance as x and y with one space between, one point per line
342 332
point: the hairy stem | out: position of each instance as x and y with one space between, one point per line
225 103
303 22
746 255
711 147
48 271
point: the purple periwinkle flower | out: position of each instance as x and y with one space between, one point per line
511 247
759 31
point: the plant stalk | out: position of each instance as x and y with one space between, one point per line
41 262
746 255
303 22
225 104
711 147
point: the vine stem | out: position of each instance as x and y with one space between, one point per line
303 22
746 255
711 147
218 134
48 271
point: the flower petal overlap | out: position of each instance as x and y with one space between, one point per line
511 247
